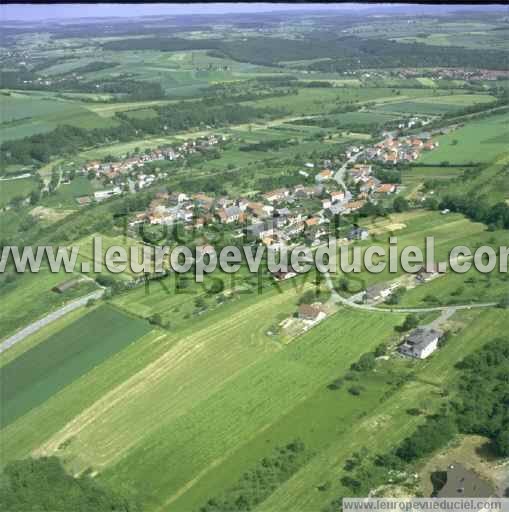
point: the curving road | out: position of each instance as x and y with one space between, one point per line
50 317
451 309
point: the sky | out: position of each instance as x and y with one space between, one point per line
69 11
73 11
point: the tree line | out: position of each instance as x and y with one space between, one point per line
39 148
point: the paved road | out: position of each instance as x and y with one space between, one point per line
450 310
50 317
341 173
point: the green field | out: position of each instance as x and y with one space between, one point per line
321 101
384 426
25 114
413 178
477 141
438 105
29 297
15 189
36 375
66 194
178 396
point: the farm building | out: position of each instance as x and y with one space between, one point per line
282 276
83 200
421 342
66 285
423 276
380 291
311 312
101 195
358 234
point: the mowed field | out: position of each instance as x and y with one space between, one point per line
176 420
45 369
411 229
386 424
176 416
437 105
25 114
321 101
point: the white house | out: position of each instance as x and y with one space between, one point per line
421 342
101 195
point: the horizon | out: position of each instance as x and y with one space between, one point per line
69 12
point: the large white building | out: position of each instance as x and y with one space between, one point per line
421 342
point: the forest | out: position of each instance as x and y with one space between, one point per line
339 53
43 485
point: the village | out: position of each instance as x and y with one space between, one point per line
288 215
128 175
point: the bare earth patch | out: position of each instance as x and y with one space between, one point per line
49 214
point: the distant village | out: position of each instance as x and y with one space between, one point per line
125 174
276 218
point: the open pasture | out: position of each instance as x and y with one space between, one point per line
66 194
385 425
239 409
436 105
29 296
25 114
320 101
48 367
15 189
87 252
449 231
415 176
477 141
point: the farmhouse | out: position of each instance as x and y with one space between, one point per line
313 313
66 285
386 188
353 205
324 175
380 291
423 276
421 342
358 234
101 195
230 214
282 276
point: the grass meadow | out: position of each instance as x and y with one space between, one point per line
477 141
30 297
13 189
36 375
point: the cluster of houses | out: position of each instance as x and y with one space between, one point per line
272 220
126 173
393 150
114 169
367 184
276 218
380 292
455 73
